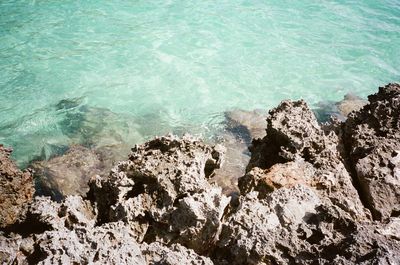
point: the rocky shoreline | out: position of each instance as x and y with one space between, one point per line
312 193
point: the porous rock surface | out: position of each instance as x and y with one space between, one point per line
297 149
373 142
302 200
292 226
68 235
163 193
157 253
16 190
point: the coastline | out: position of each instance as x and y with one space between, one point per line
311 193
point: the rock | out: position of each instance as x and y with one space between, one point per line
247 125
350 103
96 127
297 146
72 122
69 236
16 190
47 215
286 175
292 226
262 230
292 129
339 110
111 243
240 128
162 192
197 219
297 204
366 244
236 159
14 250
68 174
156 253
372 139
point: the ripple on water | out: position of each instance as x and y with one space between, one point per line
179 65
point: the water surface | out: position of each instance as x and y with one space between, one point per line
178 65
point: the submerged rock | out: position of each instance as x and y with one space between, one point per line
68 174
236 159
339 110
349 104
240 128
96 127
372 138
247 125
16 190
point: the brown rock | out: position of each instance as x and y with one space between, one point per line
16 190
279 175
68 174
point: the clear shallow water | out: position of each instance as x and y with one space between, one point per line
178 65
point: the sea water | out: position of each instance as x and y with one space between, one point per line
80 72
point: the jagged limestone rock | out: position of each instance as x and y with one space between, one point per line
163 193
157 253
372 139
16 190
295 139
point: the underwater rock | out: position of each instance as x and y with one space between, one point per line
350 103
372 139
16 190
294 135
163 193
96 139
68 174
247 125
240 128
236 159
99 127
339 110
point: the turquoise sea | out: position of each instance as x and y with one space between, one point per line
115 72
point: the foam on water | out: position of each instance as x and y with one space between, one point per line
178 65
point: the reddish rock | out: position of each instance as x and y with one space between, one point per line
16 189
